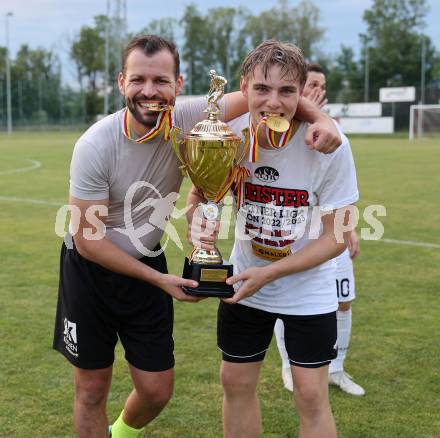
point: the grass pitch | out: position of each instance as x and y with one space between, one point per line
395 346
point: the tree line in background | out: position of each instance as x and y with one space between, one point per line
220 39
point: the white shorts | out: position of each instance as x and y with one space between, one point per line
345 286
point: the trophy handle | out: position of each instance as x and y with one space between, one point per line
238 159
177 139
246 145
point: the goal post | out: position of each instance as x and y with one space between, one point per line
424 121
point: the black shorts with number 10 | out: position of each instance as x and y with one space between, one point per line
96 306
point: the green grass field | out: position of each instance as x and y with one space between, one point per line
395 349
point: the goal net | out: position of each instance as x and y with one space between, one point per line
424 121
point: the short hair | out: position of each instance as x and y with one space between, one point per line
273 52
150 45
317 68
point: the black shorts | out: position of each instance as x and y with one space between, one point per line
244 335
96 305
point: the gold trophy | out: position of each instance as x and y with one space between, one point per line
210 155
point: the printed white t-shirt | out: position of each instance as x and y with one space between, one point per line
276 209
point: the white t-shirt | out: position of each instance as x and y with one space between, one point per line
276 201
144 177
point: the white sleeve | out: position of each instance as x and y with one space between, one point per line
88 177
339 185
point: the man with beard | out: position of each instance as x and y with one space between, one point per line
113 275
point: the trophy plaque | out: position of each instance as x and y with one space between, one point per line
210 155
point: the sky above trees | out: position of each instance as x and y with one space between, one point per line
387 43
50 23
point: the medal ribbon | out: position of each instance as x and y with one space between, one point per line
241 174
285 137
253 150
164 122
253 134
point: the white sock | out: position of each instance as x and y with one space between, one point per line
344 333
279 335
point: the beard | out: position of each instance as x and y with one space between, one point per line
147 119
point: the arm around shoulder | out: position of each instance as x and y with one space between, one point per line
322 135
235 105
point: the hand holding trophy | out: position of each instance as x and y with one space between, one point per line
210 155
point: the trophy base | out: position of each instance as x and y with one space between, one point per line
211 279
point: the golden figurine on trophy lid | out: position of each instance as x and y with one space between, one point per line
210 155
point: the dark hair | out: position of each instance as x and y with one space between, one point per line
273 52
150 45
317 68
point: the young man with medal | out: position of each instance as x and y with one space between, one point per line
124 179
291 223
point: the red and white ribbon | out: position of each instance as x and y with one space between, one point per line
285 137
270 133
164 122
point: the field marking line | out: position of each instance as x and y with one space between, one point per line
35 165
411 243
59 204
30 201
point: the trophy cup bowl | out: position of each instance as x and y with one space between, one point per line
210 155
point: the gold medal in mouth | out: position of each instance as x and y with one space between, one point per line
277 123
155 106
